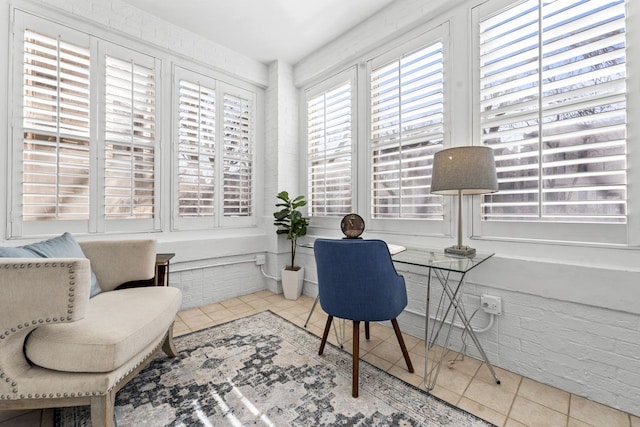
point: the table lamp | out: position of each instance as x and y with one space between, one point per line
463 170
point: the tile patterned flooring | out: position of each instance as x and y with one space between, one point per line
517 402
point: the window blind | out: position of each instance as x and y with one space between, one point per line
553 108
56 119
196 149
407 128
129 140
329 151
238 122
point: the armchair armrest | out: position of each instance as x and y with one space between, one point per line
38 291
34 292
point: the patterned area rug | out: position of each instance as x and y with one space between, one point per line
264 370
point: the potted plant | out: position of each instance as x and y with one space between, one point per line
290 222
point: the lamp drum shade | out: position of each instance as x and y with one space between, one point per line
464 170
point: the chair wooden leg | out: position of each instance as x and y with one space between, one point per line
167 346
356 357
102 410
403 347
367 335
327 328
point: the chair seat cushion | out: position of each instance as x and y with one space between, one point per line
118 325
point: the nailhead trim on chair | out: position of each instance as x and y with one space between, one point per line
144 359
94 393
70 306
89 393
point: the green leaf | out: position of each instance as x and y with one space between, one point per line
281 214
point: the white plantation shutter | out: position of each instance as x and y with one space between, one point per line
238 148
407 128
196 149
214 153
329 150
56 120
553 108
129 140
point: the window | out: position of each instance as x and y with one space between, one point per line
407 128
55 129
129 140
238 122
87 121
552 105
215 152
372 131
196 149
330 137
86 106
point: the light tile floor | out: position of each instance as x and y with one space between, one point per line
516 402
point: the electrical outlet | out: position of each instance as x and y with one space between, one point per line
260 260
491 304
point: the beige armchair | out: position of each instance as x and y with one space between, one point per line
58 347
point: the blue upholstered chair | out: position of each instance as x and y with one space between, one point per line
357 281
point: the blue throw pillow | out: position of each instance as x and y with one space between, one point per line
64 246
17 252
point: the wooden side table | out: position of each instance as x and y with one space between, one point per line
162 269
161 277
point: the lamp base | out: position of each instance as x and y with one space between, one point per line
460 250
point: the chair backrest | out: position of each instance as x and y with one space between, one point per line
115 262
357 280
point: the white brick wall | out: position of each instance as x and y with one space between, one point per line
282 138
586 350
399 18
115 15
207 281
281 159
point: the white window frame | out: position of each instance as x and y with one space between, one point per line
428 227
362 163
219 219
252 99
347 76
181 222
16 227
130 225
568 233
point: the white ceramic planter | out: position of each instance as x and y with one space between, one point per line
292 283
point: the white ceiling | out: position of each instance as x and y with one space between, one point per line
265 30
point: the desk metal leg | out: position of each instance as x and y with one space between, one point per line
427 347
430 376
469 329
311 312
431 336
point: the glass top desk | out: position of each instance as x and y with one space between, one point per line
450 271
